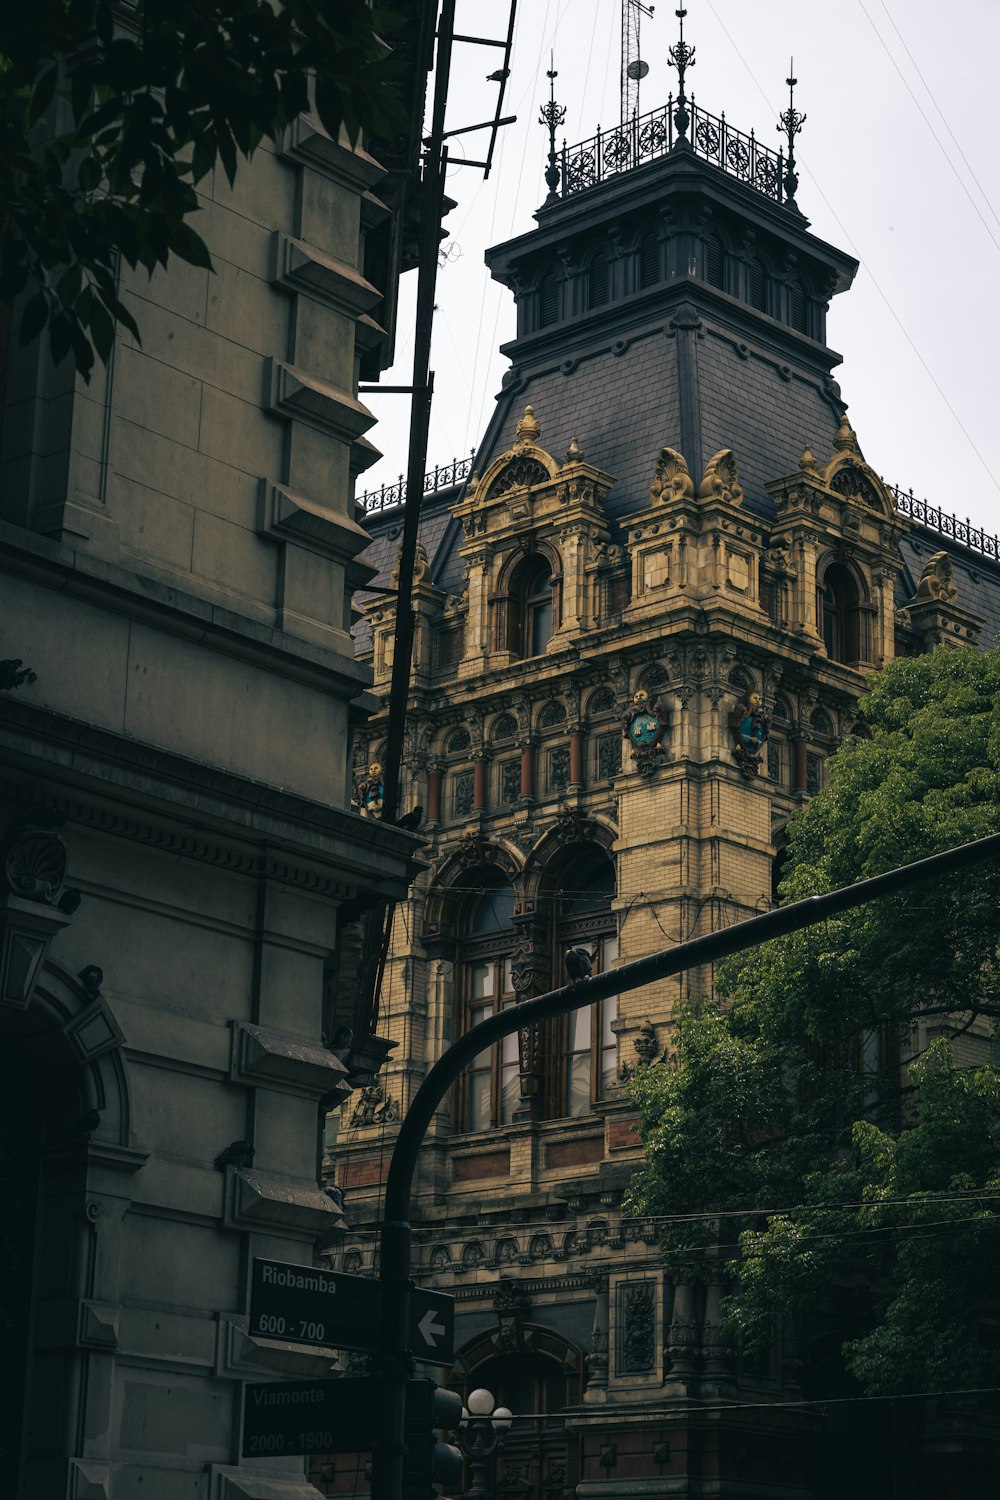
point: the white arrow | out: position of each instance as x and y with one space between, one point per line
428 1327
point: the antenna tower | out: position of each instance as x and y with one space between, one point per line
634 69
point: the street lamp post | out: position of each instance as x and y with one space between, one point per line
395 1261
483 1428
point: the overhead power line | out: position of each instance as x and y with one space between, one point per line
868 270
923 115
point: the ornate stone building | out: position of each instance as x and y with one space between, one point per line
670 542
178 691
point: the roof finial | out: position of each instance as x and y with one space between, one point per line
552 115
682 58
791 122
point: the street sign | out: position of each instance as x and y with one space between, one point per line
309 1416
432 1326
304 1305
342 1415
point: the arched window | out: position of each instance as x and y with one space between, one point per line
548 299
492 1088
649 260
715 261
531 608
843 617
584 919
757 284
598 279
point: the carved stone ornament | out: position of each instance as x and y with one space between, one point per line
935 580
369 791
722 480
636 1327
645 1044
35 865
750 726
34 904
373 1108
644 725
646 1047
671 478
421 567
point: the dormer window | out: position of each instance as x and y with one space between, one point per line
532 608
843 616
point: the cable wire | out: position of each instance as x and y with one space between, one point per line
926 121
868 270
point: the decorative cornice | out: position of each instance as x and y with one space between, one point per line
243 826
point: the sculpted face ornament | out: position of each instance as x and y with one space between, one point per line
750 726
644 725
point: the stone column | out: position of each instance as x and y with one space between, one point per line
800 764
717 1353
531 975
597 1359
683 1335
434 794
479 783
528 770
576 758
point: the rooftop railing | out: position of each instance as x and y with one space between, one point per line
936 519
611 152
445 476
439 478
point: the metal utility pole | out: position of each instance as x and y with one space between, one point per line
435 170
394 1270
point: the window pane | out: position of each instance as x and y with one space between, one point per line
493 912
540 625
508 980
481 980
510 1086
508 1049
479 1101
578 1102
610 1013
579 1030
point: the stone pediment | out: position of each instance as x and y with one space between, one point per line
848 475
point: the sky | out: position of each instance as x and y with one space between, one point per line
898 165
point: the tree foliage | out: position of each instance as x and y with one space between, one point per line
112 112
819 1122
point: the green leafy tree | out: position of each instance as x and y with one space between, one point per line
112 112
826 1124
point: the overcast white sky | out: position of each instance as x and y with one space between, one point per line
898 163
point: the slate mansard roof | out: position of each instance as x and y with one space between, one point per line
688 357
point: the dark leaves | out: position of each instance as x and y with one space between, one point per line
110 116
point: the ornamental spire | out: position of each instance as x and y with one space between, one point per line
790 123
682 58
552 115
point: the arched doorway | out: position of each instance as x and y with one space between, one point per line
537 1374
